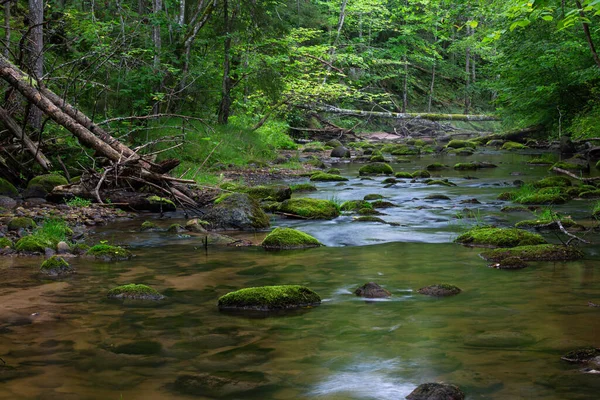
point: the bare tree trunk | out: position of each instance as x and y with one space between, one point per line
156 9
14 128
405 86
225 105
198 20
586 31
35 50
181 16
7 6
340 25
431 86
468 74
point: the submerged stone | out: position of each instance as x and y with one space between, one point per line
509 263
109 253
288 238
582 355
220 384
436 391
440 290
134 291
268 298
372 290
499 237
310 208
541 252
55 266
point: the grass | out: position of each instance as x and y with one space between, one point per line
53 231
79 202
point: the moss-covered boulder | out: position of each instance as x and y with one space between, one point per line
375 169
48 181
458 144
509 263
354 205
442 182
147 226
7 188
421 174
369 218
55 266
33 243
373 196
555 197
270 192
160 204
109 253
175 228
17 223
590 194
134 291
436 167
368 211
500 237
196 225
473 166
310 208
403 175
541 252
340 152
288 238
238 211
383 204
377 158
440 290
372 290
463 151
572 165
513 146
303 187
269 298
436 391
5 242
553 181
325 177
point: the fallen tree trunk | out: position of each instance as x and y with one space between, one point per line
14 128
574 176
395 115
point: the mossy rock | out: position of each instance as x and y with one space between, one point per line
383 204
377 158
160 204
402 160
459 144
5 242
354 205
463 151
310 208
500 237
368 211
541 252
32 243
590 194
17 223
324 177
333 143
369 218
436 391
436 167
416 142
147 225
582 355
389 181
109 253
440 290
403 175
376 169
437 196
443 182
175 228
513 146
48 181
268 298
421 174
134 291
372 290
373 196
220 384
239 211
288 238
335 171
55 266
465 166
542 198
553 181
550 224
7 188
196 225
510 263
277 193
540 161
569 166
79 248
405 151
303 187
515 209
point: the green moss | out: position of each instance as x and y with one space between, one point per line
55 265
21 223
268 298
288 238
109 253
369 218
542 252
175 228
416 142
373 196
5 242
405 151
147 225
542 198
335 171
323 177
440 290
134 291
444 182
49 181
80 248
353 205
553 181
464 151
377 158
566 222
499 237
310 208
160 204
403 175
376 169
382 204
32 243
515 209
590 194
436 167
270 193
465 166
401 160
458 144
421 174
303 187
513 146
368 211
7 188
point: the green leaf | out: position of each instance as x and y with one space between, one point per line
547 18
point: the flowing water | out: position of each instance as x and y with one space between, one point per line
501 338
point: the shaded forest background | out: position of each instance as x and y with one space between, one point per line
214 82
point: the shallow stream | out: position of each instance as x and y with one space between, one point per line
501 338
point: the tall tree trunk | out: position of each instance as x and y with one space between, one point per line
181 16
35 56
225 106
156 9
199 18
340 25
6 50
586 31
467 74
431 86
405 86
14 128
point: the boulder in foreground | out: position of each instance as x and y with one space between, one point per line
436 391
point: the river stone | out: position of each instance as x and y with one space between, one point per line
267 298
195 225
7 188
566 145
436 391
7 203
372 290
48 181
509 263
500 339
134 291
55 266
238 211
440 290
582 355
35 192
63 248
340 152
220 384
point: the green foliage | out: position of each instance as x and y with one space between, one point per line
78 202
